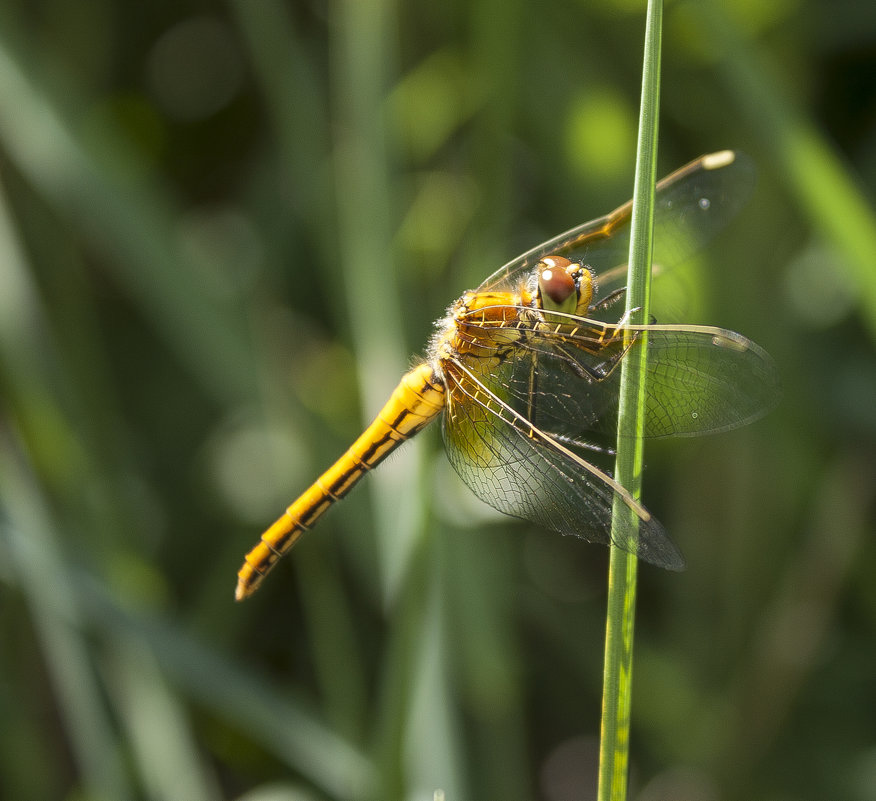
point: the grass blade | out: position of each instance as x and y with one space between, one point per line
617 674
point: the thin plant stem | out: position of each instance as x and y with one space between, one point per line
620 613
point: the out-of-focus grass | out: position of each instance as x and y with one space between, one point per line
225 228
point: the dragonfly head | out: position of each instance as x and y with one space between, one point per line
563 285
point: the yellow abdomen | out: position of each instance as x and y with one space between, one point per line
416 401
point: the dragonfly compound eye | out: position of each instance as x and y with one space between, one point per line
558 284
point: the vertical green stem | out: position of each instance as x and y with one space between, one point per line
620 614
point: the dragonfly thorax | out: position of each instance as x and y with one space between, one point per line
481 326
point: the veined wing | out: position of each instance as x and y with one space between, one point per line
565 372
691 206
522 471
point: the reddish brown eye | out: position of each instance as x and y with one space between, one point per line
557 285
557 288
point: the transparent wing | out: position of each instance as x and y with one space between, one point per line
691 206
562 373
523 472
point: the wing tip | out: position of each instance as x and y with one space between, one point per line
663 553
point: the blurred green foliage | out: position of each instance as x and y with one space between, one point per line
224 228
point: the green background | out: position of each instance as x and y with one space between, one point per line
224 231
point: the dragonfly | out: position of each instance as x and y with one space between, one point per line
524 374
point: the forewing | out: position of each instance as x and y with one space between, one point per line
564 376
691 206
704 380
523 472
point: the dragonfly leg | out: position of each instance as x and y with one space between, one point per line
610 299
627 315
